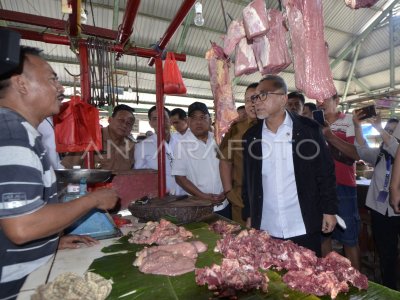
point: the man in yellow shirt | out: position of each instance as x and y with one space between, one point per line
231 157
118 148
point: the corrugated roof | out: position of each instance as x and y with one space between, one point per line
342 25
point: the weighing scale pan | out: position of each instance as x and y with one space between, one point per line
75 175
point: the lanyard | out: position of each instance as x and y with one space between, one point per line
387 174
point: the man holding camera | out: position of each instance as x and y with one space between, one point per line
339 132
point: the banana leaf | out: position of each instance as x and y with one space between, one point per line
130 283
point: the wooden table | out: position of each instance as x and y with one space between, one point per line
68 260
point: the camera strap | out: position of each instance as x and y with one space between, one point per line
384 193
384 153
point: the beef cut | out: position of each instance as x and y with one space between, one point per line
245 62
313 75
355 4
167 263
255 19
221 87
233 36
271 50
160 233
223 227
171 260
230 277
320 284
343 270
305 272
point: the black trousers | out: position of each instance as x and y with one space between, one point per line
226 212
386 232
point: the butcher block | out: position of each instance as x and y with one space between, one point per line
130 283
182 209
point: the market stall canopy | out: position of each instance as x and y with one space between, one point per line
345 29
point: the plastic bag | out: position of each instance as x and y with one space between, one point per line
173 83
77 127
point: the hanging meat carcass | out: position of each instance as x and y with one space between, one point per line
271 50
311 62
221 87
233 36
245 62
355 4
255 19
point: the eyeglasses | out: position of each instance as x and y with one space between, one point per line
262 96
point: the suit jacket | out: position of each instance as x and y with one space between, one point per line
314 172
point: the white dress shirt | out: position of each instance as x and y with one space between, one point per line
146 158
46 129
281 215
197 161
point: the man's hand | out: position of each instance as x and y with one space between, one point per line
215 198
105 198
328 223
356 117
326 130
75 241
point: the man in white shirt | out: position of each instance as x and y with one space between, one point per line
146 151
196 167
289 182
180 122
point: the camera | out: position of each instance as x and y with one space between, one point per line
368 111
318 115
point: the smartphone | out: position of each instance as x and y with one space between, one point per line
368 111
318 115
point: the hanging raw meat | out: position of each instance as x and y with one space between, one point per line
221 87
355 4
255 19
233 36
311 62
245 62
271 50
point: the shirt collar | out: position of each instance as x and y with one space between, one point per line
287 122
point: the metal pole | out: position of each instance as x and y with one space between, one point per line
391 49
160 128
173 26
85 92
125 29
351 72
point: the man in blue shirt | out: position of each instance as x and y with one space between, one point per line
30 216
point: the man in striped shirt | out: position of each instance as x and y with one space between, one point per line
30 216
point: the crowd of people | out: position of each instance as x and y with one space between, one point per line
276 169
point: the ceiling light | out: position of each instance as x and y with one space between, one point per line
198 19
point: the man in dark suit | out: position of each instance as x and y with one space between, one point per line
289 179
